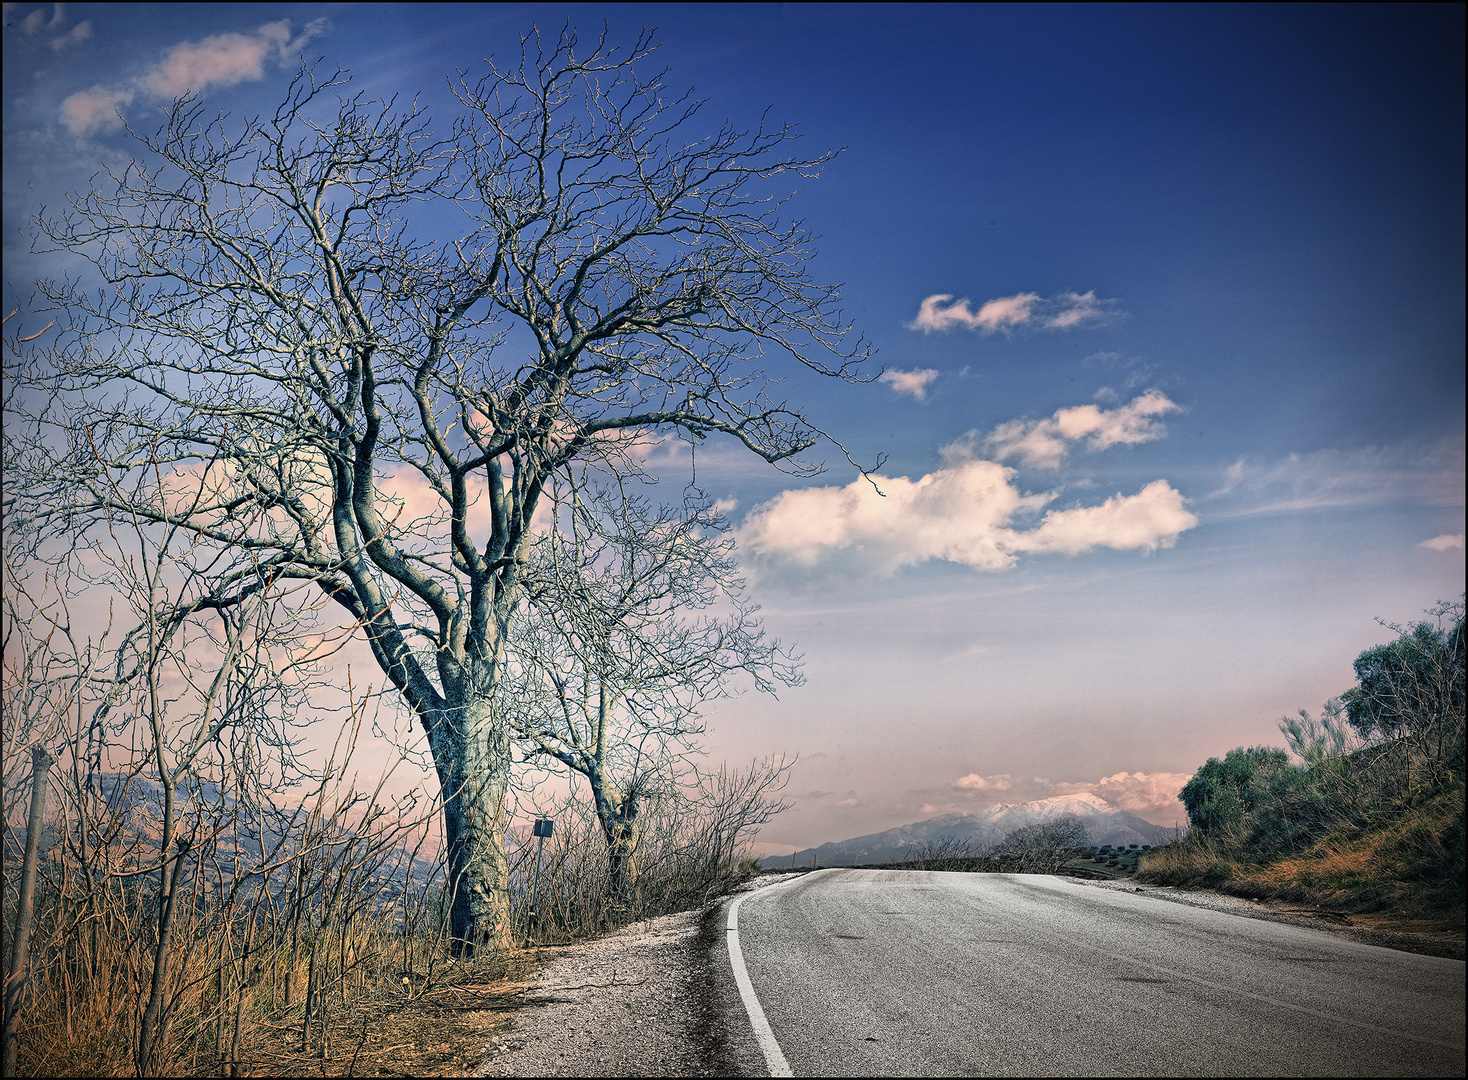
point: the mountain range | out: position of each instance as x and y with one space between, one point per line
1106 824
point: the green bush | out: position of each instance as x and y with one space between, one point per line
1360 811
1222 795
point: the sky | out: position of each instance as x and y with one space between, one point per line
1167 304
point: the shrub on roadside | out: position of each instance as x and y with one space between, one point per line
1370 818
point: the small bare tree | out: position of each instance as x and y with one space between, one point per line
1042 848
380 344
610 667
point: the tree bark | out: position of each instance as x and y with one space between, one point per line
472 753
168 895
622 837
618 816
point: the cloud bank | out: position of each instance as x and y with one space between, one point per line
189 67
1022 311
1149 795
965 514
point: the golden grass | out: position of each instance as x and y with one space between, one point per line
1408 865
386 996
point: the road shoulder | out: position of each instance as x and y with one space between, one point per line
629 1004
1402 934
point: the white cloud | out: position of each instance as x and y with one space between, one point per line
1154 517
1026 310
33 22
958 514
1043 444
975 782
961 514
190 67
82 31
1233 476
92 110
909 382
1445 542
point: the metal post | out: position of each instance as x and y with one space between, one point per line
543 828
535 893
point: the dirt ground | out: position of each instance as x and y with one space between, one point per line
1408 935
630 1004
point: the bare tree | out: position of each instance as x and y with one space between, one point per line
379 345
1042 848
619 650
198 683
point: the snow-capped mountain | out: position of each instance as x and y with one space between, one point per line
1106 824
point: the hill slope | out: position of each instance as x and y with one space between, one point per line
1107 825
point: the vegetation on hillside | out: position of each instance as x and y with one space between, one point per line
1363 811
1062 846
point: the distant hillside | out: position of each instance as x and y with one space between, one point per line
1107 825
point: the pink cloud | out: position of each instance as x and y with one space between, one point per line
91 110
190 67
1064 311
909 382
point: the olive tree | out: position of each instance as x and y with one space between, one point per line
621 645
379 343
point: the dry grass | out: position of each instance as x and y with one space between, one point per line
1404 866
340 964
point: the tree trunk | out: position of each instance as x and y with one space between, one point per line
618 814
622 857
473 759
149 1027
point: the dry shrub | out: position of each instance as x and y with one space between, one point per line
1410 864
298 972
1372 818
690 850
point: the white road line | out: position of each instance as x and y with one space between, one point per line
774 1056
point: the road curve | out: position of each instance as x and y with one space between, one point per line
908 973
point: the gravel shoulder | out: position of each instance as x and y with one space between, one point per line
1406 935
639 1002
630 1004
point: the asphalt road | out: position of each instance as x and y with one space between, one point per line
906 973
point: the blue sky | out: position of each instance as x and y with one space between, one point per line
1226 358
